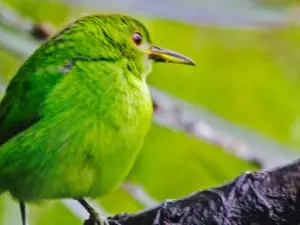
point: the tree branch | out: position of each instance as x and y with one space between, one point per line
266 197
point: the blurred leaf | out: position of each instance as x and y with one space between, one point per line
247 77
41 10
173 164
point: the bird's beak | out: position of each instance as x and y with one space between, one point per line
159 54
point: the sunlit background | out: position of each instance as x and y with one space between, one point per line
237 108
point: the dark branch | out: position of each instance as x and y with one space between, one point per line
266 198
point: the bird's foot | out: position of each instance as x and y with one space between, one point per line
96 220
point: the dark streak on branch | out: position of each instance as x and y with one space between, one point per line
266 198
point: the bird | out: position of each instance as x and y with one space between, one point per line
75 115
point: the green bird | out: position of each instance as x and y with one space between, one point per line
75 115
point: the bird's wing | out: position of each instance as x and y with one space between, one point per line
14 115
19 108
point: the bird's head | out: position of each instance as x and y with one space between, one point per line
114 38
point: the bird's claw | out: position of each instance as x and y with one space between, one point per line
95 220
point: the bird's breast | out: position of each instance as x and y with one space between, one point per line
100 128
125 109
121 122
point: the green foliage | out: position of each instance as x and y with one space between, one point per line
173 164
9 64
277 3
41 10
247 77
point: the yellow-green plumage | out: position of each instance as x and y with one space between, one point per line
93 114
75 115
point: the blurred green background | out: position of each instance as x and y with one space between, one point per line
247 73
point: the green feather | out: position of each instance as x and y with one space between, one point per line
75 115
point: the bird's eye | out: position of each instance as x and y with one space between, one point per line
137 38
